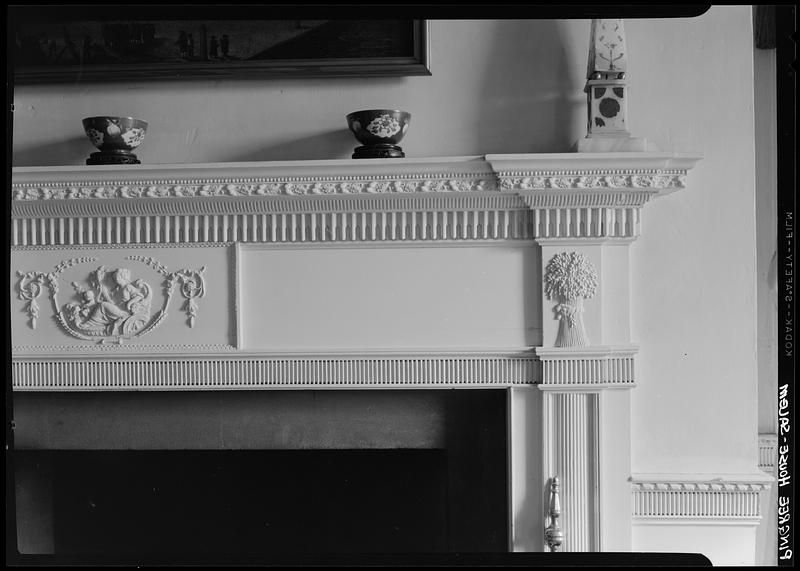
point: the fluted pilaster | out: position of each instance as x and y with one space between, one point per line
570 429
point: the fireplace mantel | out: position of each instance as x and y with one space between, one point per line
79 215
370 274
478 197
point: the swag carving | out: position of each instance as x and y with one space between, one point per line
113 305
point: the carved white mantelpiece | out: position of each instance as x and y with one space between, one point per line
487 197
229 228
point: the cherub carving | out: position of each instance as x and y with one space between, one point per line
116 311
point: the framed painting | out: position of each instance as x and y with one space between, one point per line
68 44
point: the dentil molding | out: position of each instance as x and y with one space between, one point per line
680 498
490 197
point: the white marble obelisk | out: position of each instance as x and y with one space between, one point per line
607 91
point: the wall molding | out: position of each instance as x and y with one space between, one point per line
491 197
685 498
767 451
259 371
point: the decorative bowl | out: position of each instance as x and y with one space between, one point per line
115 134
379 131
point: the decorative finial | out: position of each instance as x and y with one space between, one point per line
553 534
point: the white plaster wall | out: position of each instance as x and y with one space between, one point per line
766 222
766 133
694 267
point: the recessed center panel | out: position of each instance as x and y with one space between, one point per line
356 298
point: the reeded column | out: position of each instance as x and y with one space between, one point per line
570 453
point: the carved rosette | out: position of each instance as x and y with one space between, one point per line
111 305
570 277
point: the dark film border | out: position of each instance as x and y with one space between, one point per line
787 217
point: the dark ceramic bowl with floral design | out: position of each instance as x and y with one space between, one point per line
115 134
379 126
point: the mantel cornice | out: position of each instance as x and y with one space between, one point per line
496 196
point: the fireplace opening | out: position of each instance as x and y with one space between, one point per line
279 501
448 494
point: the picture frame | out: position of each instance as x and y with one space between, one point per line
76 44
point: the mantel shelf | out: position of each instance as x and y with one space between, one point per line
494 195
32 183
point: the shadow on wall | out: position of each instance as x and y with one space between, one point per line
68 151
529 92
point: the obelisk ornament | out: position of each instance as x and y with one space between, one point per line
607 91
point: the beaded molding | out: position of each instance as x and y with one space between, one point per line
20 350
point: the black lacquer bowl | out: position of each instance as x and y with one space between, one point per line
115 138
379 131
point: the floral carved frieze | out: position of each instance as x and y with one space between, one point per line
110 305
534 181
132 190
570 277
64 191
